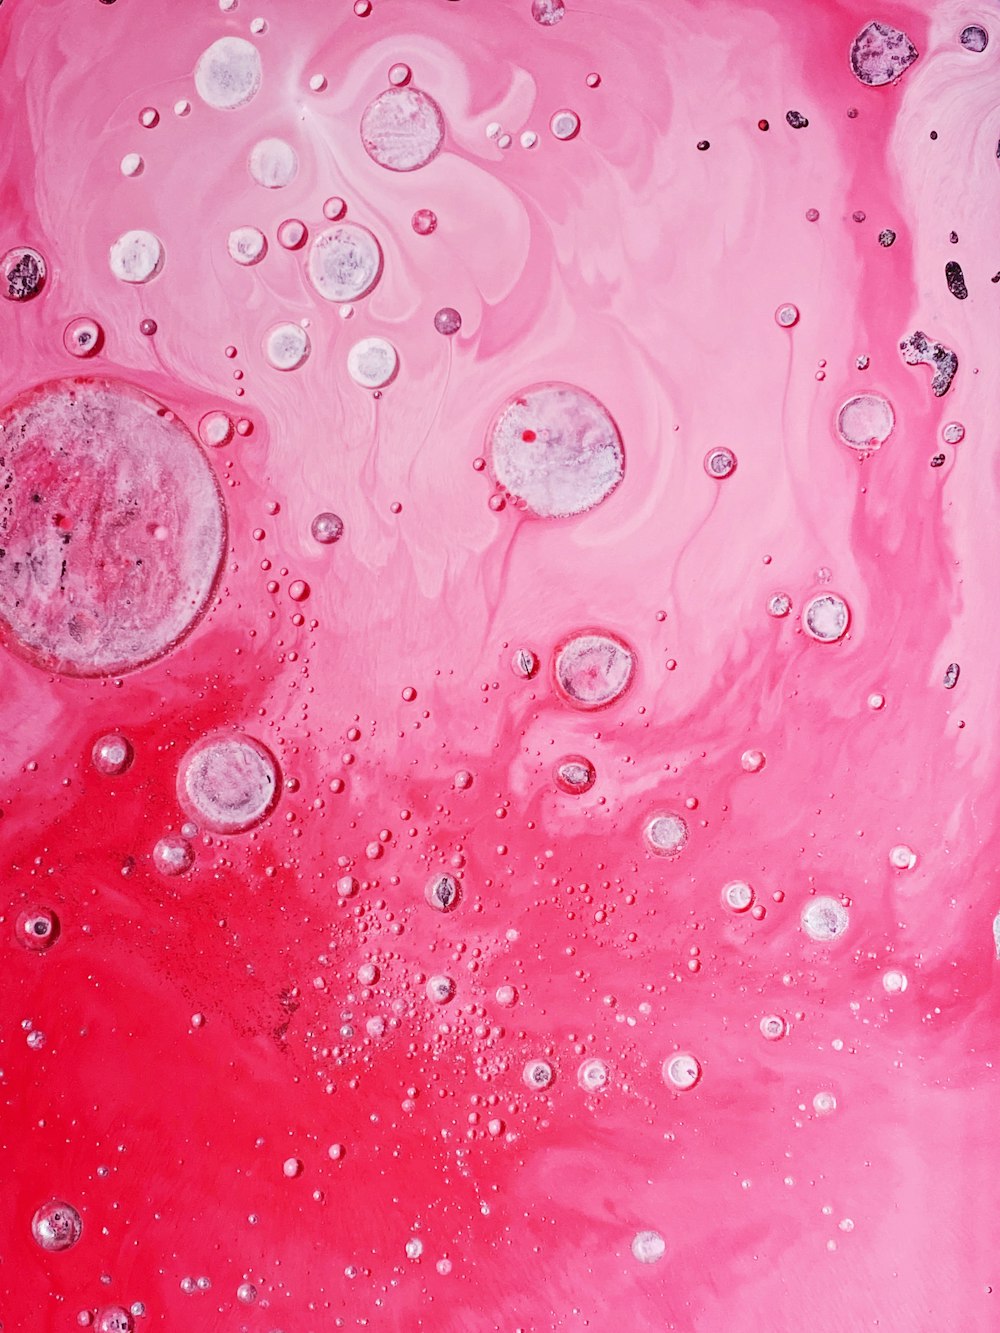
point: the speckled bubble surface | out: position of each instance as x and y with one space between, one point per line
499 802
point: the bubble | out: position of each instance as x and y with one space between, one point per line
565 124
113 527
400 75
593 669
56 1226
23 271
593 1075
414 1247
894 982
131 165
367 974
37 928
334 208
246 1292
347 886
773 1027
83 336
327 528
286 346
440 989
114 1319
886 238
507 996
953 433
147 327
299 590
443 892
216 429
372 363
955 279
720 462
880 54
865 422
292 234
778 605
648 1247
402 129
826 617
149 117
951 675
291 1167
824 1103
447 321
112 754
752 761
917 349
273 163
665 834
228 73
738 896
228 783
136 256
173 855
524 663
538 1074
786 315
345 262
528 139
681 1072
902 857
974 38
555 447
824 919
575 775
424 221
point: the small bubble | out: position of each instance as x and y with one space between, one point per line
23 272
414 1247
56 1226
902 857
538 1074
665 834
720 462
974 38
334 208
773 1027
440 989
112 754
149 117
132 165
524 663
424 221
548 12
216 429
373 363
37 928
575 775
738 896
779 604
824 1103
292 234
681 1072
443 892
953 433
786 316
752 761
812 214
83 336
173 855
593 80
246 1292
447 321
317 82
286 346
824 919
506 996
399 75
865 422
886 237
298 590
826 617
529 139
291 1167
648 1247
327 528
565 124
593 1075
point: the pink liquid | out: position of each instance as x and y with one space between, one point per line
715 961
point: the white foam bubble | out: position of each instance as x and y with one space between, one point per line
228 783
228 73
372 363
345 262
402 129
136 256
273 163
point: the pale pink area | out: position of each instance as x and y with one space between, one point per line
828 1165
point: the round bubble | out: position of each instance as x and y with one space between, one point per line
228 73
880 54
575 775
136 256
565 124
773 1027
112 527
37 928
555 447
247 245
440 989
681 1072
738 896
665 834
593 1075
216 429
538 1074
56 1226
593 670
173 855
548 12
228 783
824 919
327 528
273 163
112 754
23 271
865 422
826 618
82 337
372 363
286 346
974 38
402 129
648 1246
443 892
345 262
114 1319
720 462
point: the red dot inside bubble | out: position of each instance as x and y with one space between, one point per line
112 527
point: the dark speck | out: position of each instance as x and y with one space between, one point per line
796 119
933 134
955 279
953 237
703 145
937 460
886 237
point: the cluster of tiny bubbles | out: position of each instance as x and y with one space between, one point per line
953 432
575 775
778 605
787 315
447 321
902 857
824 919
594 669
112 754
894 982
23 271
215 429
443 892
424 221
826 617
173 855
752 761
440 989
681 1072
665 834
648 1246
720 462
373 363
292 234
327 528
593 1075
738 895
537 1074
286 346
37 928
56 1226
565 124
773 1027
82 336
824 1103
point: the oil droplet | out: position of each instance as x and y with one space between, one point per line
327 528
720 462
112 754
593 670
286 346
136 256
826 618
402 129
665 834
82 336
373 363
228 783
345 262
538 1074
648 1247
228 73
738 896
575 775
681 1072
56 1226
565 124
824 919
865 422
786 316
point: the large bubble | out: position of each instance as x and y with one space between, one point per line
111 527
555 447
345 262
402 129
228 73
228 783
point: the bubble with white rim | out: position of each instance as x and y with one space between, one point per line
787 315
131 164
681 1072
273 163
778 605
738 896
565 124
136 256
82 336
953 432
216 429
593 1075
112 754
720 462
826 617
228 783
773 1027
440 989
665 834
593 670
902 857
824 1103
556 447
345 262
56 1226
372 363
286 346
824 919
402 129
538 1074
246 245
648 1247
575 775
228 73
894 982
865 422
